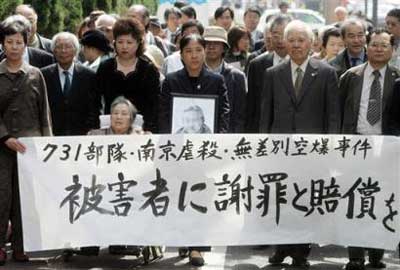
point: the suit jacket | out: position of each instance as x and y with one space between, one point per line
208 84
44 44
350 89
255 77
341 62
78 112
394 110
235 81
37 58
259 36
315 110
259 45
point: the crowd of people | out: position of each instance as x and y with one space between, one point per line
342 78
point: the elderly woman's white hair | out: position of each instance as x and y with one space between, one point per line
123 100
18 19
298 26
66 35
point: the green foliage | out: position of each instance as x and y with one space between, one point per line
7 7
105 5
88 6
65 15
74 16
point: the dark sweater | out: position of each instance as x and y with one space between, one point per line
141 87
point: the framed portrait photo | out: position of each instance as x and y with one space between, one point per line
194 114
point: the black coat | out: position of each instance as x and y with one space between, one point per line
37 58
208 84
44 44
341 62
78 112
141 87
235 81
255 79
350 90
394 111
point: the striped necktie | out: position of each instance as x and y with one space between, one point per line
375 100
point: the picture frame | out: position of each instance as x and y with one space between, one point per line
194 114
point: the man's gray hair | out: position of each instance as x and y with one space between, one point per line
280 20
298 26
66 35
340 9
352 21
105 17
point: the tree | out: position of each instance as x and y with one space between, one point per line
56 23
105 5
73 14
88 6
65 15
7 7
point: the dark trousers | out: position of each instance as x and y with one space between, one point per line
298 252
200 249
358 254
9 200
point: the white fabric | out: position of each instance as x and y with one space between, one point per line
56 174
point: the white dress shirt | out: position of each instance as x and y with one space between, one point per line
25 56
62 75
363 126
172 63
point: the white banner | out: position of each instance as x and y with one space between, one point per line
193 190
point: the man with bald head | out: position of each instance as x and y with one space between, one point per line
35 40
340 14
300 95
105 23
142 14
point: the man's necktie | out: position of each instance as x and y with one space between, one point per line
67 83
354 61
299 80
375 100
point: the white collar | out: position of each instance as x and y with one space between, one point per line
276 56
369 71
303 66
70 70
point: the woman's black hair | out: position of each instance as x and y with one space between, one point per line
193 37
221 10
331 32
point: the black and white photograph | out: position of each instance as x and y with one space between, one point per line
193 114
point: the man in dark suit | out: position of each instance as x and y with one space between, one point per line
365 92
71 90
299 95
354 36
35 40
257 68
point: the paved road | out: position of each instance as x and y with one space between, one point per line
221 258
